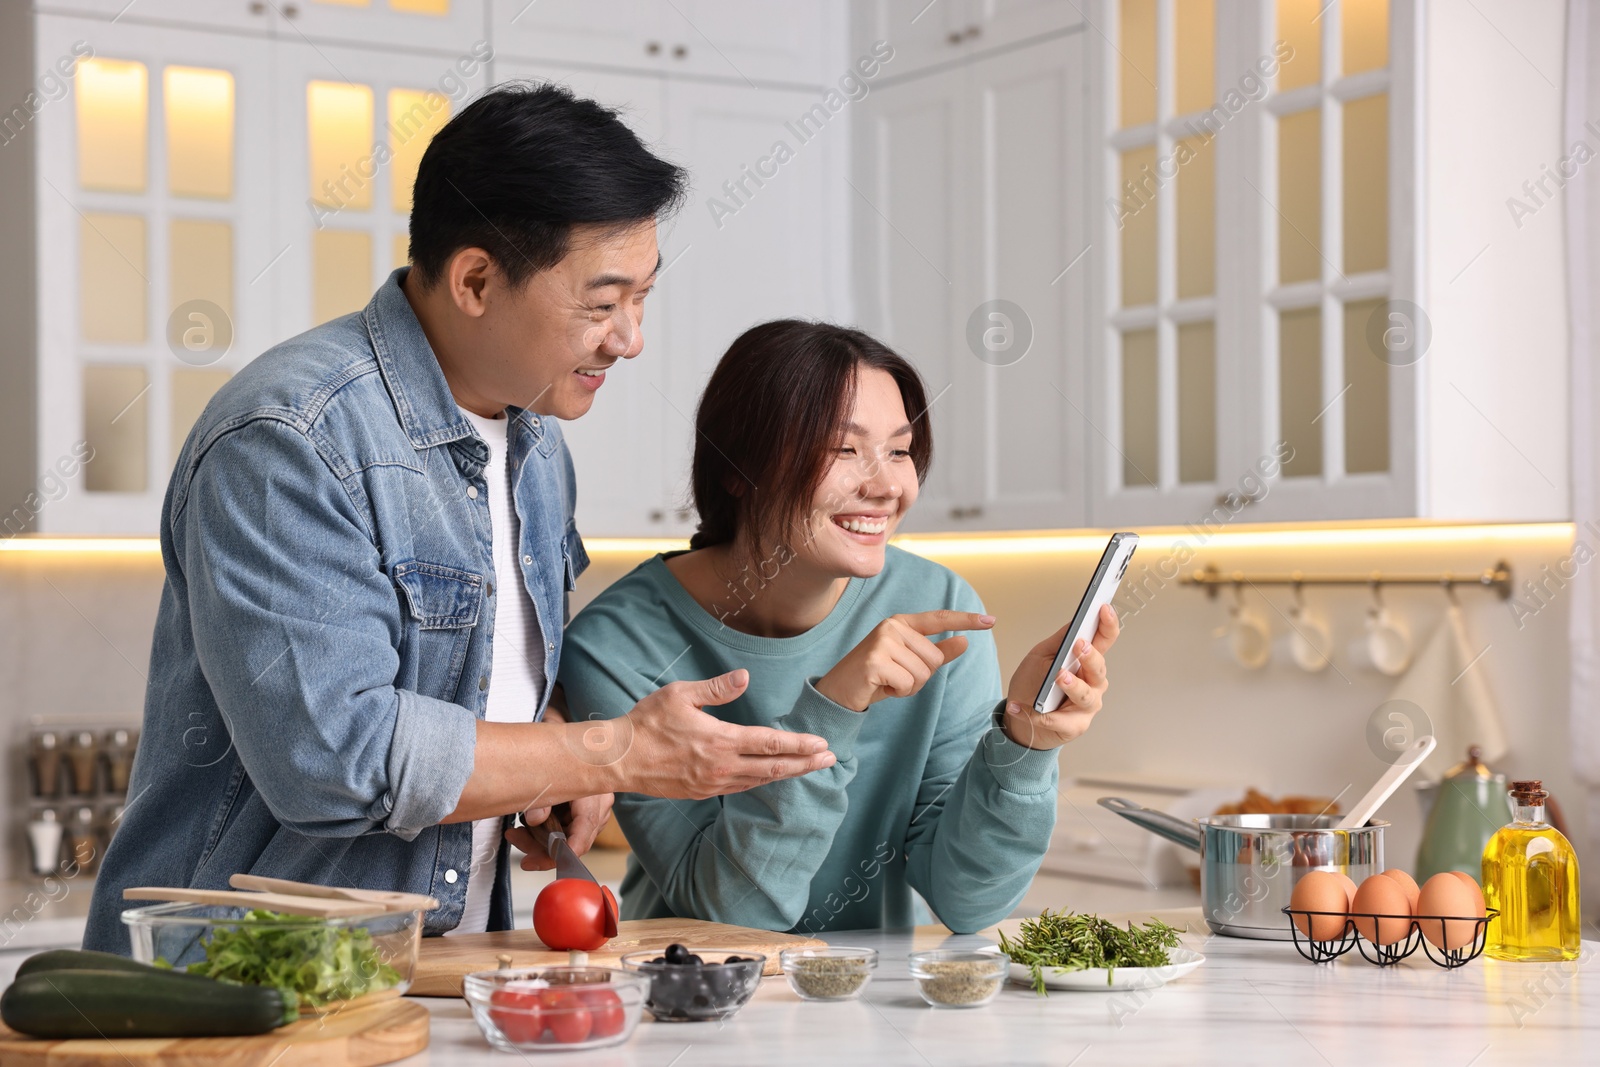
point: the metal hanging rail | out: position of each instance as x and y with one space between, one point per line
1211 579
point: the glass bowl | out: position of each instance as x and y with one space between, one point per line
957 978
555 1009
834 973
694 992
335 961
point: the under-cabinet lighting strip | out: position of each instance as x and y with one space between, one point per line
1001 544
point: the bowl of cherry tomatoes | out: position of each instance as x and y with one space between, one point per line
556 1009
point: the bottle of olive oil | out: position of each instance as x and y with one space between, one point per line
1530 873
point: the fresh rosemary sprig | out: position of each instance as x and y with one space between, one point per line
1067 941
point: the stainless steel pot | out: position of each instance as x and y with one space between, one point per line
1249 864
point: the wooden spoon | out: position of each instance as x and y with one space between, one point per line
295 905
392 900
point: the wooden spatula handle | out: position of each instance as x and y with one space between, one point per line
272 901
392 899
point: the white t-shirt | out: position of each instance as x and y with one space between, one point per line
517 673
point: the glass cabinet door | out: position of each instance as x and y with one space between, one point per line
353 127
151 233
1158 444
1340 339
1255 350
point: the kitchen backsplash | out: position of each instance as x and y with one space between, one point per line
1179 709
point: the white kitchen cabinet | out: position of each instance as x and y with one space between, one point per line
998 23
321 90
746 41
240 16
929 33
430 25
620 34
1246 310
775 248
243 16
960 175
781 253
913 187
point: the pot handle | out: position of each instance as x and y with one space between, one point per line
1178 831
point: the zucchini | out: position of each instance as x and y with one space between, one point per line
72 959
112 1004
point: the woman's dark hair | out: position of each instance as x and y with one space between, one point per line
518 168
770 420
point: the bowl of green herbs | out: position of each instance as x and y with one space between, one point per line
1068 950
324 963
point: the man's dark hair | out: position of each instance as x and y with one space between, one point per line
519 167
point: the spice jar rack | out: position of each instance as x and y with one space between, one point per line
1390 954
77 785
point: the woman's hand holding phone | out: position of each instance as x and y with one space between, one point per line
896 659
1084 690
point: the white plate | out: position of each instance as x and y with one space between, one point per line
1095 978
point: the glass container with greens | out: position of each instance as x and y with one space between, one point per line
324 963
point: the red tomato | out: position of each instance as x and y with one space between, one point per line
567 1017
606 1014
518 1013
570 913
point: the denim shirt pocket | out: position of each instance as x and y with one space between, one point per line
575 560
444 604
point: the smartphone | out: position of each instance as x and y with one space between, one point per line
1102 587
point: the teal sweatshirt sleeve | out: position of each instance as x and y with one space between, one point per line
986 806
745 858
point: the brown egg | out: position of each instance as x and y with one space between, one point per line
1321 891
1349 885
1477 890
1448 897
1408 883
1381 896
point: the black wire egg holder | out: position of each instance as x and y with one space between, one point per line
1390 954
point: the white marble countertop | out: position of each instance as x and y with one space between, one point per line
1252 1002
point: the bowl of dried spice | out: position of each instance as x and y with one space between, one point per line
837 972
954 978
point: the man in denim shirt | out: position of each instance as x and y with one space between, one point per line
325 701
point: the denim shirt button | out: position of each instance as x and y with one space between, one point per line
483 682
451 876
488 589
527 561
472 492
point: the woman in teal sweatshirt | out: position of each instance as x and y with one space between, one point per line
812 442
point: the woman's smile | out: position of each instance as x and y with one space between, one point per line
868 528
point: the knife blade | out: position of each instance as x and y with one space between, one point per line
568 865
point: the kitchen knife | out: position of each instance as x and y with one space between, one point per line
568 865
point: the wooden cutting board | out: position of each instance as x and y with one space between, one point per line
360 1037
445 960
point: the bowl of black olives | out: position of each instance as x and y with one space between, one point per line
696 986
